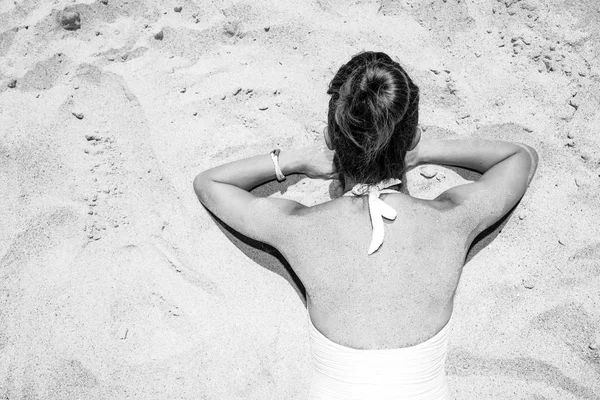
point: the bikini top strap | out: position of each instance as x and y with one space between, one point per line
378 209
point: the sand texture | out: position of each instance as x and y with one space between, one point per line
115 283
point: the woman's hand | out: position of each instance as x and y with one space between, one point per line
317 161
412 158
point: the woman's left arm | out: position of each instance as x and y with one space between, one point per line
225 191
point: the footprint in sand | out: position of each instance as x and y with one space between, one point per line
48 373
189 273
45 74
105 163
152 307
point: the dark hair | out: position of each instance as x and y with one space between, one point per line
373 116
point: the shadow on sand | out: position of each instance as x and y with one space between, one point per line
261 253
486 237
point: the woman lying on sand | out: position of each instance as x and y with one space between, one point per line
379 312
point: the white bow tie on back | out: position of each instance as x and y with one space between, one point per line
378 209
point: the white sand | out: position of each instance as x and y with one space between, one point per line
114 281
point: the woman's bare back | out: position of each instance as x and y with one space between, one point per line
399 296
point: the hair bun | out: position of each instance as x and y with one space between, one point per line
372 114
375 81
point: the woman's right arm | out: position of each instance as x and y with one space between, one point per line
507 169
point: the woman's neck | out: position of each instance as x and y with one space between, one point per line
349 183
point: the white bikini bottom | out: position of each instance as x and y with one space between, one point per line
416 372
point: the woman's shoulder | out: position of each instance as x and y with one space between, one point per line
333 206
404 200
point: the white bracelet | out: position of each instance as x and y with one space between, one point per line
275 158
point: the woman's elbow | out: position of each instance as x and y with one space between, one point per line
200 183
533 155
